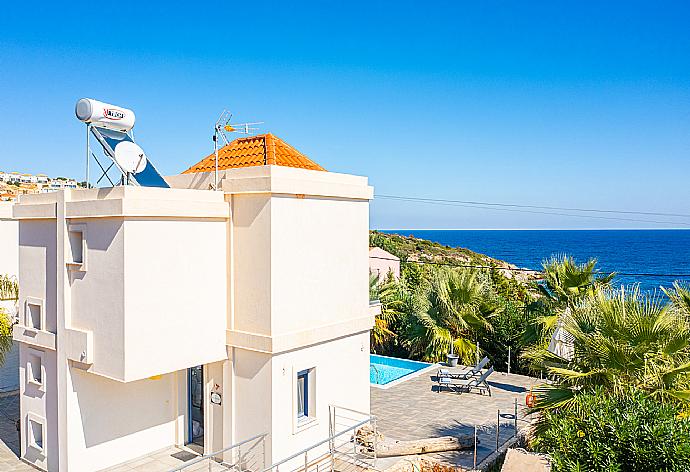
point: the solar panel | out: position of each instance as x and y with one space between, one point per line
110 125
109 139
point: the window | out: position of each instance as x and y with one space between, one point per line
76 257
34 317
35 434
34 368
303 394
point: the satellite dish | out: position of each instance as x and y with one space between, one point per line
130 157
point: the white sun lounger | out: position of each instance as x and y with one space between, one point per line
466 374
466 385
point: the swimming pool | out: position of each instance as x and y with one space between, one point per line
384 370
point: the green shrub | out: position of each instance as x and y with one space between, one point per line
508 325
604 433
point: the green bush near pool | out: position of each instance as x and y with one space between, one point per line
602 432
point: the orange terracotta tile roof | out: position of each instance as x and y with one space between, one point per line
259 150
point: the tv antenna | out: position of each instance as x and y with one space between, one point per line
223 126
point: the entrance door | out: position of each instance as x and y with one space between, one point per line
195 401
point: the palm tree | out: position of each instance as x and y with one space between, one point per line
564 284
9 291
392 296
451 309
621 339
679 296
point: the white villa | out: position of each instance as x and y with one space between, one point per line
154 317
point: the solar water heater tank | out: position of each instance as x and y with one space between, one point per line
104 115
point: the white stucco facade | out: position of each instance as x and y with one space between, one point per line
123 290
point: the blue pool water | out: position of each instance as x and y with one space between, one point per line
383 370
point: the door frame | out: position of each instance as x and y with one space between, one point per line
190 419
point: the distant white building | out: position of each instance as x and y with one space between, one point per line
382 263
154 317
59 184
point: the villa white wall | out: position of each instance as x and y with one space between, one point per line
161 300
153 295
175 295
110 421
37 279
341 369
97 295
251 259
265 391
153 291
42 404
300 299
319 262
252 395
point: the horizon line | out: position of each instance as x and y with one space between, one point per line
529 229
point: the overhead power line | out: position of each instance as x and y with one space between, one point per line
520 269
535 209
595 210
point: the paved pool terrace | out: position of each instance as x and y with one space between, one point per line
415 409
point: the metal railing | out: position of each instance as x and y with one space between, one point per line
245 456
340 451
341 418
499 436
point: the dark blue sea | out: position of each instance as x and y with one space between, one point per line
653 252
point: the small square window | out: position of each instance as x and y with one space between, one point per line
35 434
34 369
77 249
34 317
76 246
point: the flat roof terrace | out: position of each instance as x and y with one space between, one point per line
415 409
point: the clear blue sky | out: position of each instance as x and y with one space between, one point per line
560 103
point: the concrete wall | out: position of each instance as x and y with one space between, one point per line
110 421
151 292
319 265
251 260
299 300
265 391
340 370
37 279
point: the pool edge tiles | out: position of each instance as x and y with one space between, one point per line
408 376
